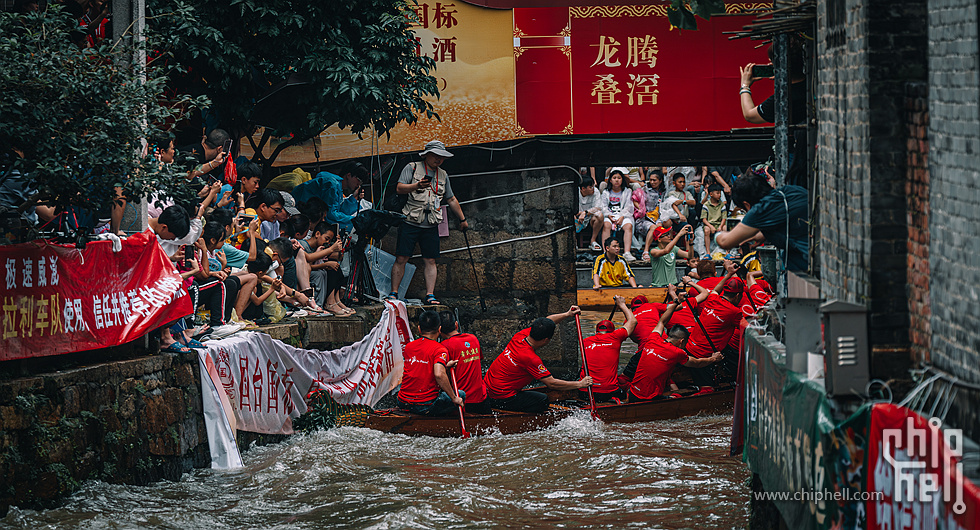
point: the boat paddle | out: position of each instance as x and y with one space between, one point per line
585 365
700 325
483 304
462 424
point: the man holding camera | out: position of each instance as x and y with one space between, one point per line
663 258
427 186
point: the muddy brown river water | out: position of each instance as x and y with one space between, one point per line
578 474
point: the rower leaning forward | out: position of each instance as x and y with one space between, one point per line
519 365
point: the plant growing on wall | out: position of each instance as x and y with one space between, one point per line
77 118
352 64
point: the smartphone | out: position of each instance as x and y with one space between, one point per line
188 264
228 143
762 70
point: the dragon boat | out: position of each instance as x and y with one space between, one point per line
602 300
504 422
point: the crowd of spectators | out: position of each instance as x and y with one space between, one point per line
248 255
665 213
631 203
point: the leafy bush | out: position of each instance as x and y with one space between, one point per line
80 116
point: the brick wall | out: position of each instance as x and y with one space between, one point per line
954 140
862 158
917 193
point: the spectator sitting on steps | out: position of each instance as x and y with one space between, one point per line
610 271
589 212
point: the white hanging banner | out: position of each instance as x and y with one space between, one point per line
218 418
267 381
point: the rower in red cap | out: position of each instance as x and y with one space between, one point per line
719 316
602 354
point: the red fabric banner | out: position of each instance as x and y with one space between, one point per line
916 467
621 69
58 299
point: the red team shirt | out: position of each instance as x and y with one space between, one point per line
419 382
516 367
707 283
720 319
469 375
657 360
761 298
647 315
602 354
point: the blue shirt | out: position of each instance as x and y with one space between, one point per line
327 186
770 217
236 258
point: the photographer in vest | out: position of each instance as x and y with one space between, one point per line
428 188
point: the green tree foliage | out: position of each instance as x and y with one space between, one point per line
79 118
681 13
358 57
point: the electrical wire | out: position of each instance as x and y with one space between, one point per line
503 242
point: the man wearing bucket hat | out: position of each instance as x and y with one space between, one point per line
428 188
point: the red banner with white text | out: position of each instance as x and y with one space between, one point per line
917 468
59 299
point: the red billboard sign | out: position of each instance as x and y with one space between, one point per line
623 69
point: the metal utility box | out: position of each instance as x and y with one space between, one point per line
846 349
803 336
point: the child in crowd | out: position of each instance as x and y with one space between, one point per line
589 211
617 208
322 251
715 215
653 191
282 250
610 271
683 198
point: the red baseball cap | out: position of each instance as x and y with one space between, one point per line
605 325
734 285
660 232
638 300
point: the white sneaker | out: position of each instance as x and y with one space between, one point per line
223 331
628 257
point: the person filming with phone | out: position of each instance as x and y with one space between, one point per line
765 112
427 186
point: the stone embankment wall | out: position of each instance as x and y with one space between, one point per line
132 421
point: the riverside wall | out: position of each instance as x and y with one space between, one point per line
123 415
133 421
